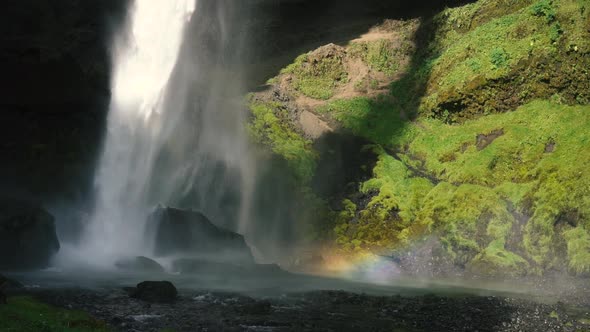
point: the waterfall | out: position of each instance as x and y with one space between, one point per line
175 127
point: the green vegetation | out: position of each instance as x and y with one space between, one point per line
499 57
318 75
514 167
24 314
545 9
578 250
381 55
474 50
375 119
483 141
495 260
271 126
497 173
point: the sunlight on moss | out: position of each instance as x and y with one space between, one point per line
381 55
511 166
317 77
493 187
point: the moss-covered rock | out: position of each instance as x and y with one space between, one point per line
578 250
484 63
495 260
318 73
481 139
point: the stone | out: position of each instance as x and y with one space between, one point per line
483 140
139 264
28 239
190 234
154 291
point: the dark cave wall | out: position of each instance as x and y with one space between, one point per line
54 61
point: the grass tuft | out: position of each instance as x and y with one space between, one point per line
25 314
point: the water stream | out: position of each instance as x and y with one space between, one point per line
175 128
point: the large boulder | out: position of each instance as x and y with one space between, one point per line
190 234
154 291
27 236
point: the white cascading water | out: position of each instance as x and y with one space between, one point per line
155 151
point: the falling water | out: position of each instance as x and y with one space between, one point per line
175 131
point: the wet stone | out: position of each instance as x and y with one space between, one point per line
154 291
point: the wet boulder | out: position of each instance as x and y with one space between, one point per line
139 264
190 234
27 236
154 291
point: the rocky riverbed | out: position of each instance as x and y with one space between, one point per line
322 311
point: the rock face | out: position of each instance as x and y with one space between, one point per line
27 236
139 264
53 111
191 234
155 291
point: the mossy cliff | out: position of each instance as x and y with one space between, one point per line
477 121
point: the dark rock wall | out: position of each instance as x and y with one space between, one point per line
54 61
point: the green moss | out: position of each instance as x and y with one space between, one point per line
544 8
516 193
516 155
378 120
495 47
381 55
578 250
448 163
495 260
517 163
398 189
499 58
27 314
473 49
513 166
317 76
270 126
469 217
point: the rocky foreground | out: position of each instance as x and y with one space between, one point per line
321 311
